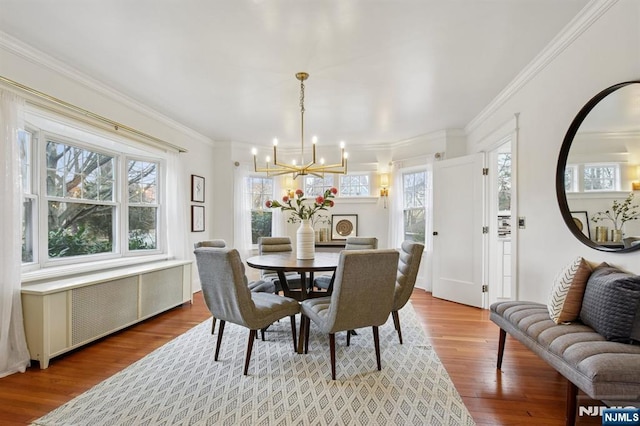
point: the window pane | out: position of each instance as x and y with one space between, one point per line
414 225
142 176
504 181
78 229
600 178
260 224
27 230
78 173
354 186
142 228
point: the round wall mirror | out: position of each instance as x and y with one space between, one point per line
598 173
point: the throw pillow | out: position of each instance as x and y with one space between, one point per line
610 303
565 301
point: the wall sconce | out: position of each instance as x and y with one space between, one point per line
635 185
384 188
288 186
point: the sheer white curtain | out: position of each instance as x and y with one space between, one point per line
177 203
396 215
242 210
14 355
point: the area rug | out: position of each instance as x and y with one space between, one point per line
180 383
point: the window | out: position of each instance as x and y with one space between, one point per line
259 190
355 185
571 178
601 177
86 197
314 186
414 186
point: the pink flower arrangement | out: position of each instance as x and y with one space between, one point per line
301 210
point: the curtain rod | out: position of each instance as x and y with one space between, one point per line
116 126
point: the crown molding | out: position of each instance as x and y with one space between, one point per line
578 25
35 56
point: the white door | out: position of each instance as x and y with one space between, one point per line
458 238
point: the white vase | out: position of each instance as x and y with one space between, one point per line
305 238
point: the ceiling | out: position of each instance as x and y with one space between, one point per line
380 71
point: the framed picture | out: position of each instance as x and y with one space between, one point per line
197 189
197 218
581 219
343 226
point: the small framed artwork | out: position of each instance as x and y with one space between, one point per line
581 219
343 226
197 189
197 218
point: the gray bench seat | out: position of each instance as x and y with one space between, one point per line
604 370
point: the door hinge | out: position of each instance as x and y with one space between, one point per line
485 288
485 229
485 171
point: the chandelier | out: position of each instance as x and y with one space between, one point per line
277 168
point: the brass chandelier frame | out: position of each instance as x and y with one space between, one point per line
312 167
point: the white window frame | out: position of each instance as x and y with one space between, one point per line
263 207
573 184
41 258
404 200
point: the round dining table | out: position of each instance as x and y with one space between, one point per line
287 262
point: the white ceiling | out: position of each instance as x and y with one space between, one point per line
380 71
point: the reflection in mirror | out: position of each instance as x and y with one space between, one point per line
598 175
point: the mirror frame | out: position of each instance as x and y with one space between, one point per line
562 162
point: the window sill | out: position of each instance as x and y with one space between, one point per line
358 200
57 272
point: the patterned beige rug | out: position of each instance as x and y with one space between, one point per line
180 384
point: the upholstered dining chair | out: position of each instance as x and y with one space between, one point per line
228 298
408 265
272 245
362 297
257 285
351 243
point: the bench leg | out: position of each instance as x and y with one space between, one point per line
572 398
503 337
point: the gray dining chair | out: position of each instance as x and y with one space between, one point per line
351 243
362 297
408 266
228 298
257 285
273 245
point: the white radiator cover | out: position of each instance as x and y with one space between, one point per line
61 315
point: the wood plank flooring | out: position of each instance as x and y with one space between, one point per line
526 391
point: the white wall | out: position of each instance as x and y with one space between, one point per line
608 52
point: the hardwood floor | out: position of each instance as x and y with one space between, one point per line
526 391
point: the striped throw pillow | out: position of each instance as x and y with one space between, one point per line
568 288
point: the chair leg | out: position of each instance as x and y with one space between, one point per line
262 331
348 337
252 337
503 337
213 324
572 396
307 326
293 332
220 331
396 323
332 350
376 342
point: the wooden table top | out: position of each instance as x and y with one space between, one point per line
287 262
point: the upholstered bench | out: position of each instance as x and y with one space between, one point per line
602 368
